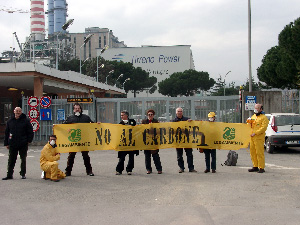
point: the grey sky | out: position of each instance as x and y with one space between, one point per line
217 30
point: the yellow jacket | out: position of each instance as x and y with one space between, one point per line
259 125
49 154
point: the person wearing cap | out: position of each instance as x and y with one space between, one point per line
259 123
188 151
210 153
48 161
122 154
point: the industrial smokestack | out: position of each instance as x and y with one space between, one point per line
37 19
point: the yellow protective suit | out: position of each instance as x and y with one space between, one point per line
259 126
49 164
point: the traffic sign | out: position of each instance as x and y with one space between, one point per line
33 113
45 114
45 101
33 101
60 114
35 125
250 102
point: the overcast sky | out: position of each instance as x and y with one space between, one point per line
217 30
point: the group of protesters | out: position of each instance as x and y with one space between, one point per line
19 134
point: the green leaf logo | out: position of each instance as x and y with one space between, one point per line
75 135
229 133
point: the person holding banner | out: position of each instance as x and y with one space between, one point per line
78 117
188 151
18 134
210 152
154 153
48 161
259 124
122 154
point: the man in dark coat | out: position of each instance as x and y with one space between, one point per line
78 117
122 154
188 151
18 134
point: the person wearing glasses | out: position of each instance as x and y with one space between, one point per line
154 153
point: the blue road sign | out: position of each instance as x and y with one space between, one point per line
45 101
45 114
60 114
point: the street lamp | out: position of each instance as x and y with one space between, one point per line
86 40
102 50
64 27
108 75
121 75
125 82
224 81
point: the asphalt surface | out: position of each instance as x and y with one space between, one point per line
230 196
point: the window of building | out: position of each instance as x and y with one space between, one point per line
90 52
104 40
100 42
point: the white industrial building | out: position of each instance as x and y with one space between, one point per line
159 61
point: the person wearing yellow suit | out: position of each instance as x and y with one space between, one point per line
259 124
48 161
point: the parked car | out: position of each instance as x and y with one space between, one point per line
283 131
163 117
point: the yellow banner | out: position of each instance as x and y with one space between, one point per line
195 134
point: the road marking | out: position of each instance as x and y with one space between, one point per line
273 166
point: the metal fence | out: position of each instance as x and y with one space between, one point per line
107 110
290 101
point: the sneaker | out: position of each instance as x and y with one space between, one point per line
91 174
129 173
7 178
118 173
23 177
181 171
253 169
193 171
159 172
148 172
213 171
206 171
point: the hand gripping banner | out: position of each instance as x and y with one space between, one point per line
195 134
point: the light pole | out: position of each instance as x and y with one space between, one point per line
102 50
121 75
249 45
125 82
108 76
224 80
86 40
64 27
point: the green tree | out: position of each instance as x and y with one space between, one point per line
289 40
185 83
278 70
281 65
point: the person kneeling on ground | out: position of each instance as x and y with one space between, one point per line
48 161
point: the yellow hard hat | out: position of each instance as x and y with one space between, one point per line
211 114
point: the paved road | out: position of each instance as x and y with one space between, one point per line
231 196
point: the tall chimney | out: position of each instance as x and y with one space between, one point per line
37 19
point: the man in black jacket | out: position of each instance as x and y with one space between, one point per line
188 151
122 154
78 117
18 134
